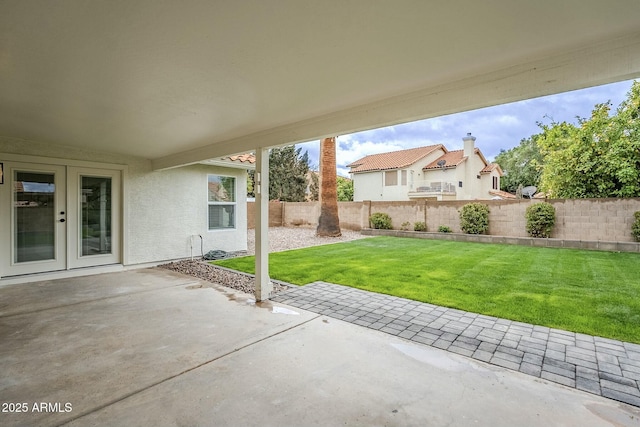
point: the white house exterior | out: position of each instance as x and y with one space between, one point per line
64 209
430 172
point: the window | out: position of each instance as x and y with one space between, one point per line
391 178
404 177
495 183
221 202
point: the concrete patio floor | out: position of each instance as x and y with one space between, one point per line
154 347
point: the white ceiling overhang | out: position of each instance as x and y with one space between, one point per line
179 82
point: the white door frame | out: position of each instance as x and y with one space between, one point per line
74 195
68 197
9 211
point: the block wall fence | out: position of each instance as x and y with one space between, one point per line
576 219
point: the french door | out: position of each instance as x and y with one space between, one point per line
57 217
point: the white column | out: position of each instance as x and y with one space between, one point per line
263 283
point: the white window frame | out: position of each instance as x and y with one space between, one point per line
234 203
391 178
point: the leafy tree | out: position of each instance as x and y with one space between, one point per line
522 165
345 189
314 185
251 183
599 157
288 174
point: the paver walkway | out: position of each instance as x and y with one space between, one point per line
601 366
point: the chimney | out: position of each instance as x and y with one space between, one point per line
469 172
469 142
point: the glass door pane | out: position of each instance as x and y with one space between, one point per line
95 215
34 216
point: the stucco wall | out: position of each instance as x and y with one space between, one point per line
167 207
161 209
368 186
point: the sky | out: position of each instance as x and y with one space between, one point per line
496 128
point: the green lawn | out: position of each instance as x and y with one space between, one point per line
596 293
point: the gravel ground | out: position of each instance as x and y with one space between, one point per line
286 238
280 239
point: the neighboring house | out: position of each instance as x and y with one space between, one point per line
64 209
430 172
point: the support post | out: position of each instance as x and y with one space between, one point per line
263 283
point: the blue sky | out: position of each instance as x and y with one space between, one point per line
496 128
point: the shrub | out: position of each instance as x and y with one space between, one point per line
405 226
474 218
419 226
380 220
444 229
635 228
540 219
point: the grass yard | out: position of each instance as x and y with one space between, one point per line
596 293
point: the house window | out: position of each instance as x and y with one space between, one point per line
391 178
221 202
404 177
495 183
460 184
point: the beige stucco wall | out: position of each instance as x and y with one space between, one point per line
161 209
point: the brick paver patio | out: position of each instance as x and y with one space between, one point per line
601 366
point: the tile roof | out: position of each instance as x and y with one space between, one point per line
502 194
242 158
452 159
393 160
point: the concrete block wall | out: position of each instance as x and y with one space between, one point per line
300 214
595 219
400 212
275 214
352 215
605 220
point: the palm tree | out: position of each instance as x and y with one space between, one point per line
328 223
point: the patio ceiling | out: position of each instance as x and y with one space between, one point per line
178 82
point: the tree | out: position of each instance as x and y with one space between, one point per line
522 165
328 223
251 183
314 185
345 189
288 174
599 157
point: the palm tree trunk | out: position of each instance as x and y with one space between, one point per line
328 223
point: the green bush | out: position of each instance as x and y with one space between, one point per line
635 228
474 218
419 226
380 220
444 229
540 219
405 226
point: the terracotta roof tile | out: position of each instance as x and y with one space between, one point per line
490 167
242 158
452 159
503 194
392 160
